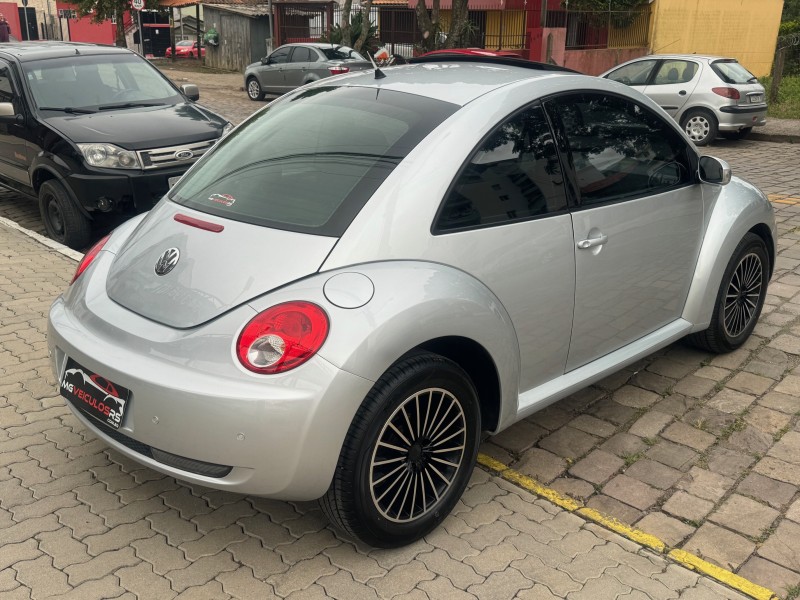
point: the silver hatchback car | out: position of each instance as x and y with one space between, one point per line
293 65
344 293
707 95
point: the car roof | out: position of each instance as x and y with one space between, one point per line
25 51
319 45
454 81
703 57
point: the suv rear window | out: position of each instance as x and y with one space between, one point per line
310 162
731 71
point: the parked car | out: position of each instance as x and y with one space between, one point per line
185 49
88 128
368 273
707 95
293 65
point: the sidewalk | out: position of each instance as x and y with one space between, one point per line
777 130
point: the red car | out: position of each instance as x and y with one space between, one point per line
184 49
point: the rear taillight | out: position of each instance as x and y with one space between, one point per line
727 92
338 70
282 337
89 257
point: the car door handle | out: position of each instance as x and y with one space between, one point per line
591 243
682 93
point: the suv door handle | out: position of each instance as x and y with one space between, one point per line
591 243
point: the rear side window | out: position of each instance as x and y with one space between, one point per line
301 54
675 71
310 162
514 176
731 71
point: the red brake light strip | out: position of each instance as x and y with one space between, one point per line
199 223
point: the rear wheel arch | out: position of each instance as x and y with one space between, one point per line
479 365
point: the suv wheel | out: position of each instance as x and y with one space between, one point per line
408 454
700 125
62 219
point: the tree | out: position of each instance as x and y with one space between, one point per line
103 10
429 25
357 30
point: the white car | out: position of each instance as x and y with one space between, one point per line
707 95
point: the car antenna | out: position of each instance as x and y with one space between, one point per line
378 73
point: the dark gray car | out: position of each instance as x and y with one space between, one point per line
293 65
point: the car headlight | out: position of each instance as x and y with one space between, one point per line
109 156
227 129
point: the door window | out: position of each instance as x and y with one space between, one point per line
281 55
619 149
633 74
301 54
675 71
6 89
514 175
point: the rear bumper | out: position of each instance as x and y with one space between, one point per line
277 436
734 118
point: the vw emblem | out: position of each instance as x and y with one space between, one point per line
184 155
167 261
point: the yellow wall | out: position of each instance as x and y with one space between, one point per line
742 29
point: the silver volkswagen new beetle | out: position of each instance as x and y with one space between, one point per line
339 298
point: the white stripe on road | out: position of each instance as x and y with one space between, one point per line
60 248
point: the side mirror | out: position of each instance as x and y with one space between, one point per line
714 170
265 60
191 91
8 114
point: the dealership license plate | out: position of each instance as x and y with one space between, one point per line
94 395
757 98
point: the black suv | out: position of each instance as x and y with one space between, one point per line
88 128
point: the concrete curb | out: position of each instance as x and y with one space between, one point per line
53 245
686 559
785 138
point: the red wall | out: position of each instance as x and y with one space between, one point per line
11 13
83 30
594 62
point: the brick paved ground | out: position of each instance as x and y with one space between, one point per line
699 450
78 520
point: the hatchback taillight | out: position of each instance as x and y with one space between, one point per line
89 257
338 70
282 337
727 92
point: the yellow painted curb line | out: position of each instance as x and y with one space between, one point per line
686 559
722 575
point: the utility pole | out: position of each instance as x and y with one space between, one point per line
25 12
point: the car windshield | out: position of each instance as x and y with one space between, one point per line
96 80
184 43
731 71
340 53
309 162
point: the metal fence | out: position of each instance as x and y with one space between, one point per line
588 30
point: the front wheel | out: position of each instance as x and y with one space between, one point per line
254 91
64 222
739 299
701 126
408 454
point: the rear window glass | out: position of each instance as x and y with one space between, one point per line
340 53
310 162
733 72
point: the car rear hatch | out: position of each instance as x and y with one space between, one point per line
219 264
734 75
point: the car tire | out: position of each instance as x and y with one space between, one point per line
369 496
736 135
254 91
739 299
700 125
62 219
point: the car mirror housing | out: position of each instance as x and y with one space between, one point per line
265 60
191 91
8 114
714 170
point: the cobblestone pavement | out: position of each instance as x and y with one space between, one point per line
702 451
